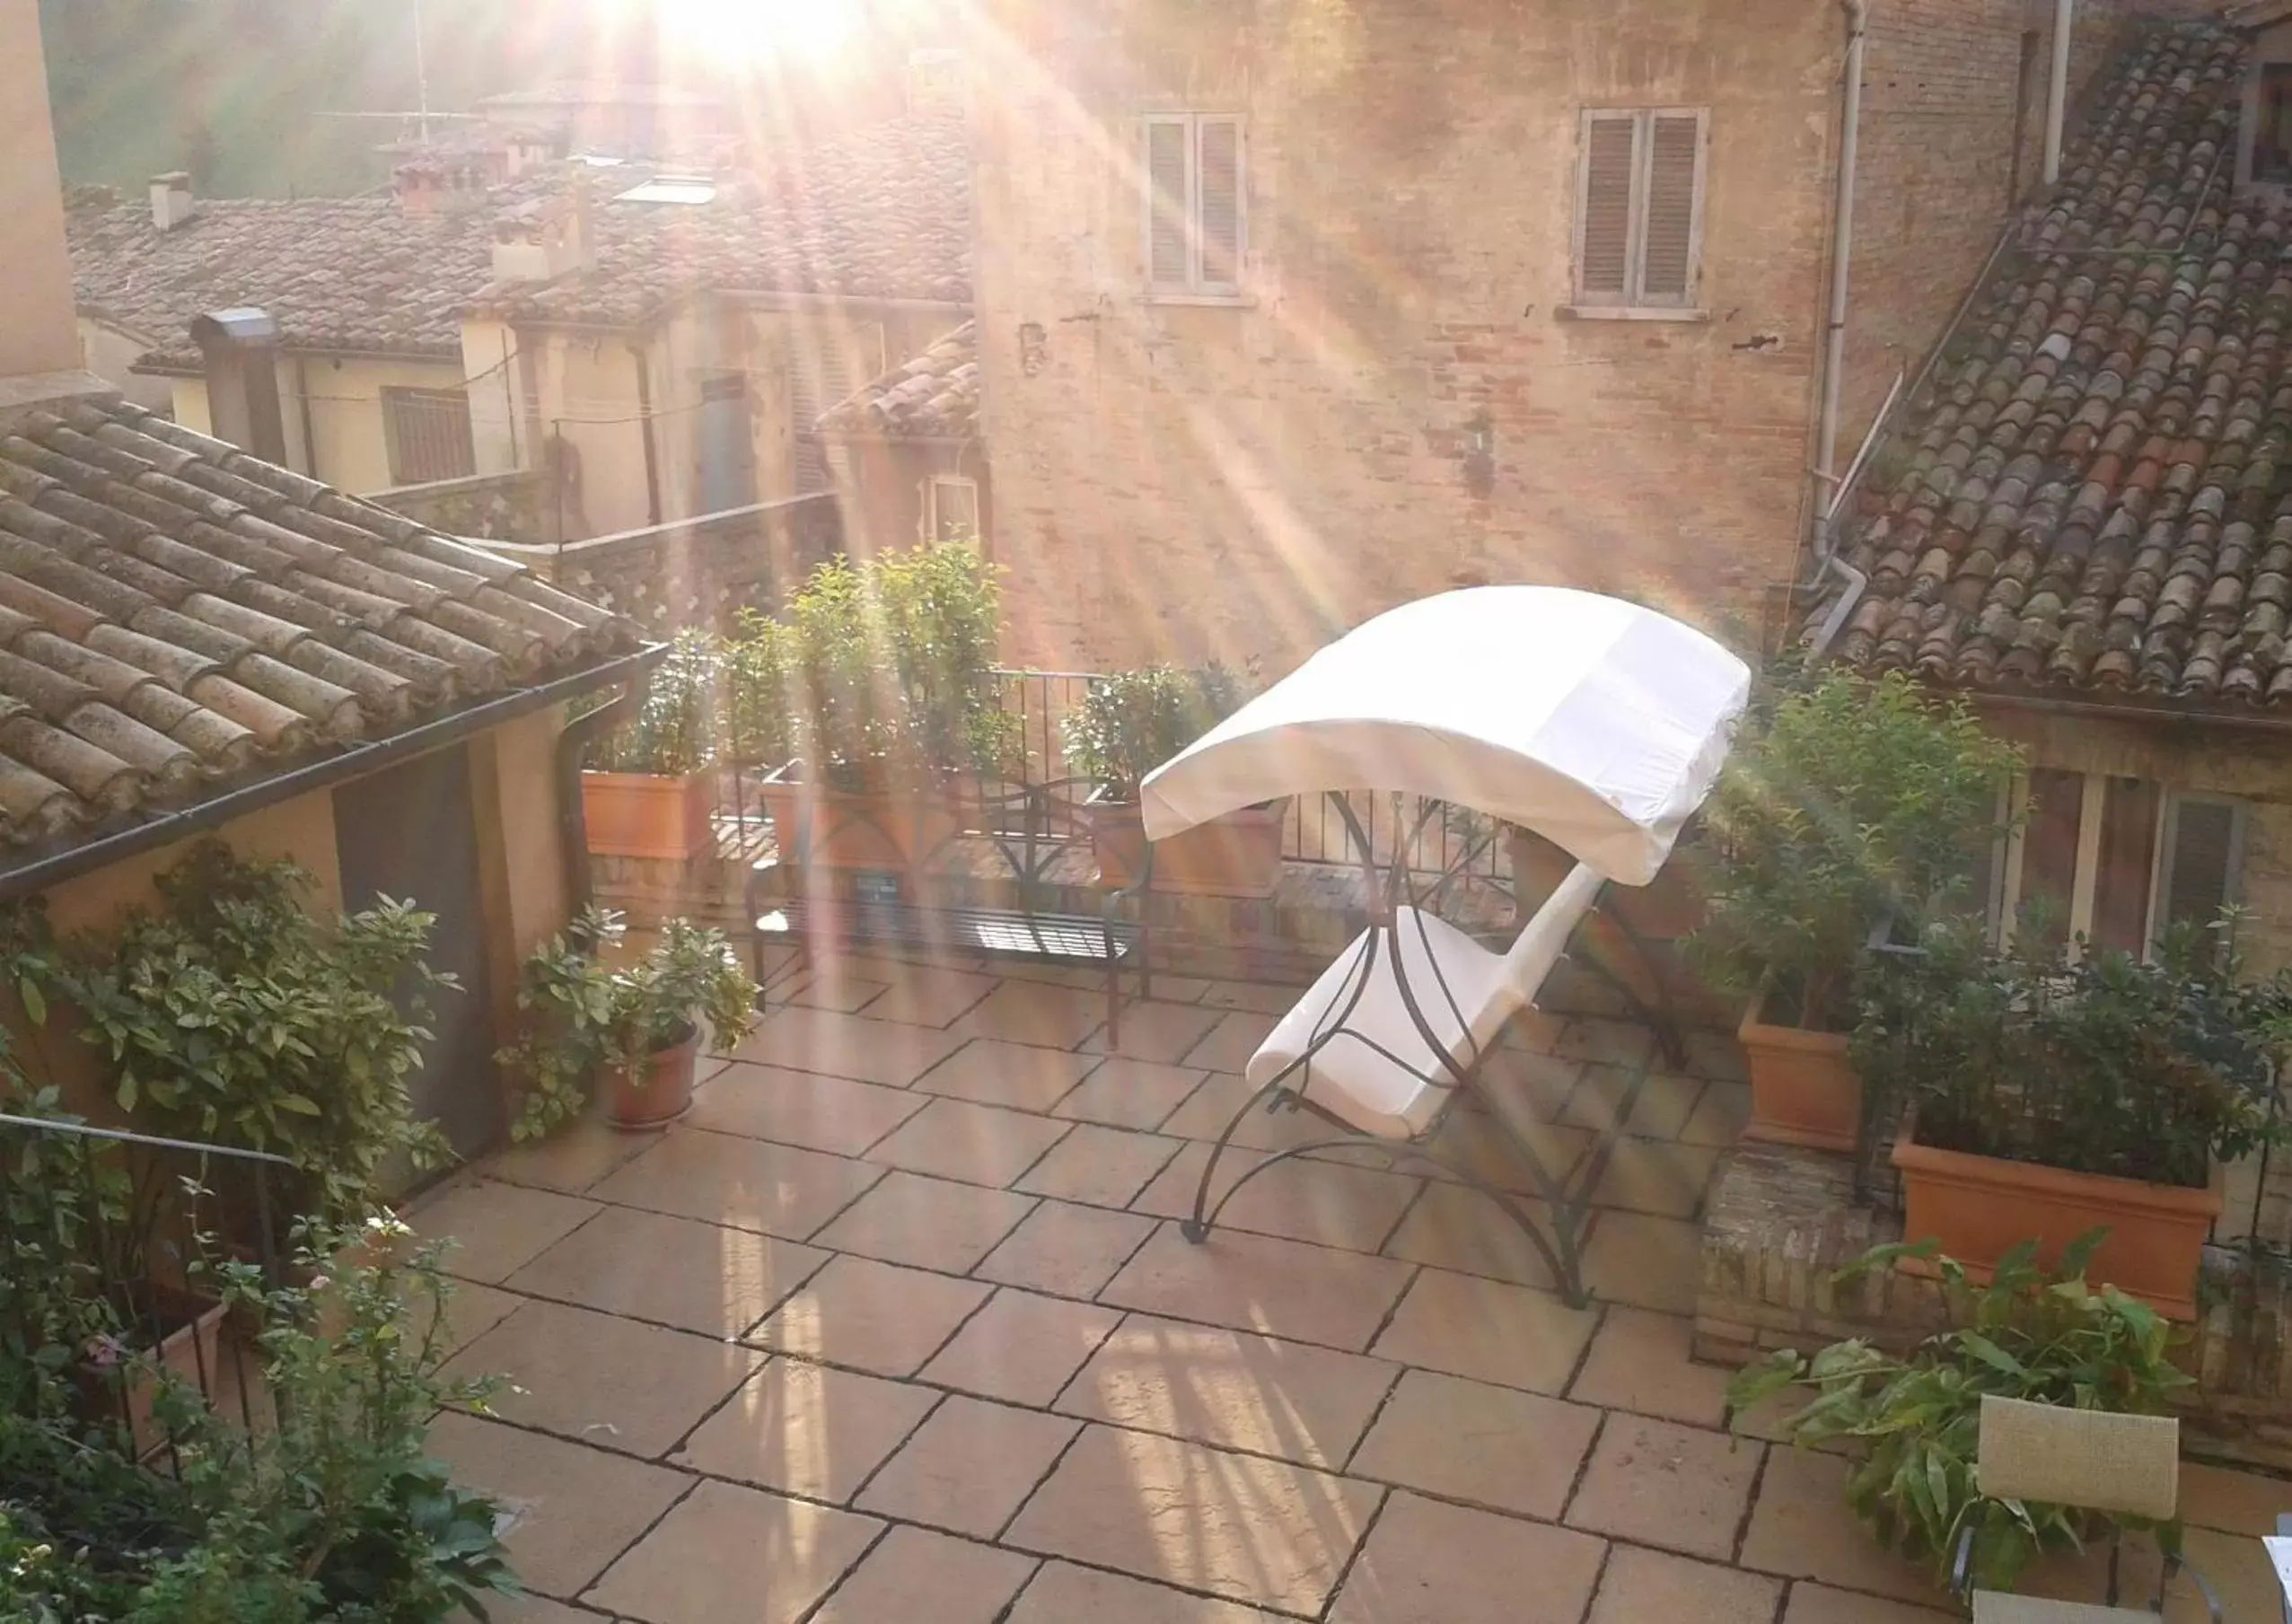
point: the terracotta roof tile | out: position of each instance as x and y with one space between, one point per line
879 212
175 620
2094 490
935 396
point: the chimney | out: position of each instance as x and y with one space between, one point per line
38 328
170 199
242 351
439 185
540 241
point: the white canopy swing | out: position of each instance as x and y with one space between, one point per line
1596 723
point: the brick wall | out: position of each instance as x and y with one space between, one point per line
1187 481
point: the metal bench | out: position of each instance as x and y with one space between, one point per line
1031 826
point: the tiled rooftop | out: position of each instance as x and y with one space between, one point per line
898 1325
935 396
177 616
2093 493
880 211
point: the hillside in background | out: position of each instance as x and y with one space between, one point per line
234 89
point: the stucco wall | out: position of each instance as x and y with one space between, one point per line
110 353
346 444
38 333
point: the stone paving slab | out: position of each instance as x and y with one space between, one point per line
728 1555
1252 1529
891 1348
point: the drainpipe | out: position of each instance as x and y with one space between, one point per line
645 419
2058 97
1834 359
310 433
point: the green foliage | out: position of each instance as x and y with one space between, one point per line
335 1515
675 731
2102 1063
235 1017
585 1015
877 669
1845 802
2046 1337
1132 722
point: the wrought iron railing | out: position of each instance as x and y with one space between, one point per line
112 1250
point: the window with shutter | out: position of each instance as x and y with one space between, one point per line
2118 862
1195 229
2197 875
951 509
1639 208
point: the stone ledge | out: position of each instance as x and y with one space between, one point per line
1780 1222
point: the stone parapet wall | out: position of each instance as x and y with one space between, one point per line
513 506
1780 1223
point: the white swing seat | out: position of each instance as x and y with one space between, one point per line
1377 1074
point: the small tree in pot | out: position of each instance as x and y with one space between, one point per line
1846 802
1130 724
877 689
630 1031
645 792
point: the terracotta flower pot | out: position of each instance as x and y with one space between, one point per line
191 1350
655 1095
1977 1207
640 815
879 828
1804 1090
1238 855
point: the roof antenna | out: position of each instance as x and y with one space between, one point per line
421 75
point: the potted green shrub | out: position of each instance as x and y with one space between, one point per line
234 1015
646 787
1847 803
625 1029
1130 724
2045 1089
2038 1335
877 689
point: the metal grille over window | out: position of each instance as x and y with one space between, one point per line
426 433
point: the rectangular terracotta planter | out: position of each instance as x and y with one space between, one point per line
1804 1090
641 815
1977 1207
1665 909
1238 855
871 829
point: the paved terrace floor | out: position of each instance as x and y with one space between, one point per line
899 1325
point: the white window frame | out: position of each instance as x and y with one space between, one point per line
1633 301
2085 883
1197 286
931 487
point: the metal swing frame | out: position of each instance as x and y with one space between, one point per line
1562 1251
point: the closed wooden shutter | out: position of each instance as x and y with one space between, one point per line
1604 211
2200 875
1169 205
1674 157
1218 194
2129 814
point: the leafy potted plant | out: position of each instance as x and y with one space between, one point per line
882 676
2041 1335
627 1028
1128 725
2046 1091
1846 803
647 788
235 1016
